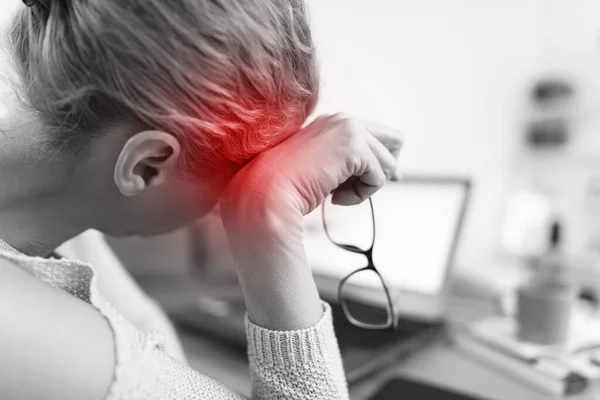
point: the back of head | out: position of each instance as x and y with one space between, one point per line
228 78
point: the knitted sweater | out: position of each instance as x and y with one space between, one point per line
301 364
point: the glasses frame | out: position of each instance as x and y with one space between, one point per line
392 322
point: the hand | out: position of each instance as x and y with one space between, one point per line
334 154
264 203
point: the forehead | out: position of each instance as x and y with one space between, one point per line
9 7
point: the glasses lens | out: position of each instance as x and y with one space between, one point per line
365 300
349 225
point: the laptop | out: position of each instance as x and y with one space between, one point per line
418 224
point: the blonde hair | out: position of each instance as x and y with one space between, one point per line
229 78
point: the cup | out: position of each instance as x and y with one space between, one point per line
544 313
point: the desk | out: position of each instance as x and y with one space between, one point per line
440 364
443 365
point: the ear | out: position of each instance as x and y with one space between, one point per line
145 161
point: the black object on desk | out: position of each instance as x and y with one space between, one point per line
401 388
365 352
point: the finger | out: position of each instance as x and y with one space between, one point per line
391 138
368 180
386 159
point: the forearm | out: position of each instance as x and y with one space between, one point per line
277 282
280 297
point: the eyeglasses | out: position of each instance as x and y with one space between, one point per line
338 232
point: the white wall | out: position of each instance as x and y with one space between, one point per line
571 50
451 75
7 7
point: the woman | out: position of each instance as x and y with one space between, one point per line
138 116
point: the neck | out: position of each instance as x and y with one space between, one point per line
37 211
37 228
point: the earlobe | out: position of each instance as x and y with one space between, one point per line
145 161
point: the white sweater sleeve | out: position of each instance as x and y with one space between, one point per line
303 364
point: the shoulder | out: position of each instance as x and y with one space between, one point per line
60 340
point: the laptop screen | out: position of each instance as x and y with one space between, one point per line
416 223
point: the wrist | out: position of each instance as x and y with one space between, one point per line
262 222
266 240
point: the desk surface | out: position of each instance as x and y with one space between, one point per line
441 364
445 366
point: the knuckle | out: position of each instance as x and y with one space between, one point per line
353 160
346 124
399 137
351 134
354 148
341 116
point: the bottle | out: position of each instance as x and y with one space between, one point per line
545 303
